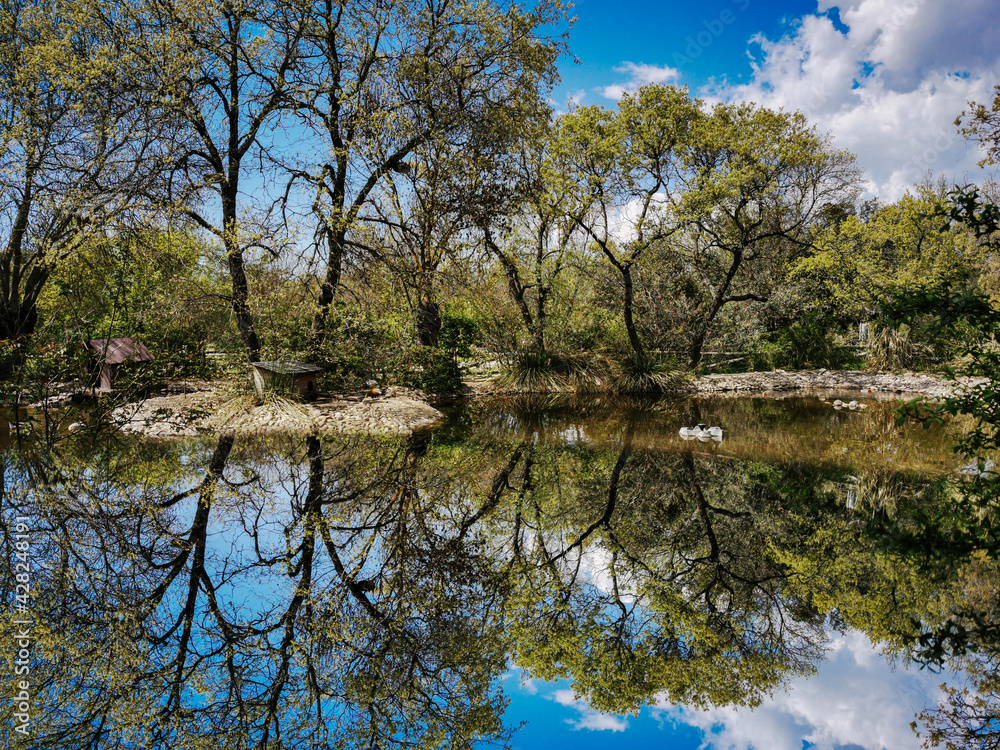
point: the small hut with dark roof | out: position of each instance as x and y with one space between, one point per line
111 355
286 377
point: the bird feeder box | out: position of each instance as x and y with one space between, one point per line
286 377
112 356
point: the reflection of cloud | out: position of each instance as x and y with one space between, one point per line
589 718
854 699
638 76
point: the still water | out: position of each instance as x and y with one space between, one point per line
531 572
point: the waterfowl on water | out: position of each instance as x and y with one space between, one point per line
852 405
701 431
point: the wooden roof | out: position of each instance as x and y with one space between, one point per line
288 367
117 351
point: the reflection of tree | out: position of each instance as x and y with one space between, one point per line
371 592
968 718
426 643
220 613
921 579
668 586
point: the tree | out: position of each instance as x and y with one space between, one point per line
376 81
751 184
855 262
981 124
80 149
220 68
417 226
537 238
624 167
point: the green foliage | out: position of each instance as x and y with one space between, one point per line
366 346
158 287
460 330
859 258
431 369
951 303
811 342
535 371
600 331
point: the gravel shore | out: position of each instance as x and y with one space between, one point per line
908 384
398 411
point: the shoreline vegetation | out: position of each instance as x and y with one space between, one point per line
209 408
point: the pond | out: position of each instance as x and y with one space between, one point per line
531 572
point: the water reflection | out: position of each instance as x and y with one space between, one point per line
348 592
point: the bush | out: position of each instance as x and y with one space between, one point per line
178 351
807 343
460 331
356 349
647 374
436 370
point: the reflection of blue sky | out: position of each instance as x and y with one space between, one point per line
856 699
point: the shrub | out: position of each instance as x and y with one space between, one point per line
809 342
434 370
460 331
648 373
891 348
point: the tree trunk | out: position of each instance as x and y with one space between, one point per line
698 342
697 345
237 270
633 335
540 313
328 289
241 306
428 321
515 285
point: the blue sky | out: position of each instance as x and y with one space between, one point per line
886 78
856 699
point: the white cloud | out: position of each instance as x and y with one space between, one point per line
639 75
601 722
889 87
589 718
565 697
525 683
856 698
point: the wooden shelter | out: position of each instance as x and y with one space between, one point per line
111 356
286 376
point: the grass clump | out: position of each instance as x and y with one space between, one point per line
541 372
891 348
532 371
647 373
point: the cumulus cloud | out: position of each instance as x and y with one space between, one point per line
639 75
887 80
525 683
855 699
888 86
589 718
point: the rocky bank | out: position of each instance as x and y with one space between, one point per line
207 409
397 411
892 384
